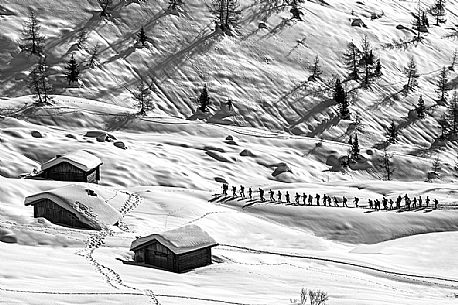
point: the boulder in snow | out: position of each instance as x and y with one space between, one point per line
120 144
246 153
218 156
101 136
220 180
281 168
358 22
36 134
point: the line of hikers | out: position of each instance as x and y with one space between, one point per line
307 199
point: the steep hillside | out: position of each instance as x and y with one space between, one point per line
263 70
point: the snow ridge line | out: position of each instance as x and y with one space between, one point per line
96 240
126 293
335 261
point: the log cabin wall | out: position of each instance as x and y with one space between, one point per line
56 214
65 172
194 259
158 255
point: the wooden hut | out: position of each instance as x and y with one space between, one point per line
75 206
78 166
177 250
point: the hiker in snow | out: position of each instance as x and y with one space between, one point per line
279 196
225 187
391 204
414 205
377 204
408 203
317 196
398 202
420 202
427 201
250 193
242 191
310 199
304 198
329 200
385 202
287 197
344 201
371 204
234 191
336 201
406 198
261 195
296 199
325 199
355 201
271 193
436 203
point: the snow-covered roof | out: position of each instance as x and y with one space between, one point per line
181 240
80 158
86 202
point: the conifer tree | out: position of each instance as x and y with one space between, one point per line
420 23
367 61
142 94
94 55
142 38
452 117
315 69
444 125
354 152
32 40
340 97
392 133
39 82
387 164
436 166
438 11
73 71
411 72
204 99
420 109
352 57
442 87
82 38
453 63
295 11
227 14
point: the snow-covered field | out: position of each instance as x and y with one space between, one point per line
170 174
267 251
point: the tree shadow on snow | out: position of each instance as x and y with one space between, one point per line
119 121
202 43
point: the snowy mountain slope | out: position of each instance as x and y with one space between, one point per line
175 167
263 70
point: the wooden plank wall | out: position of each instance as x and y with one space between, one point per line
56 214
65 172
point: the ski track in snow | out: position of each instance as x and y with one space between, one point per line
421 279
